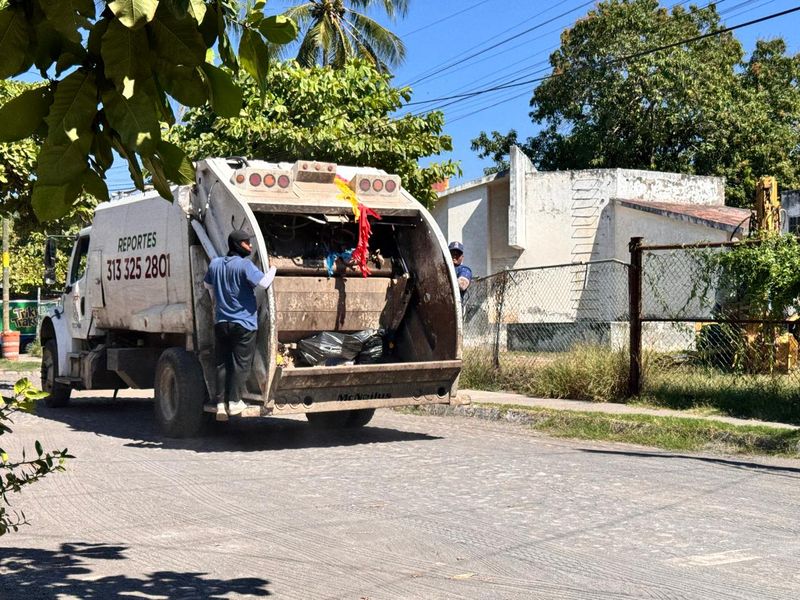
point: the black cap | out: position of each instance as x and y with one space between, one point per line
235 239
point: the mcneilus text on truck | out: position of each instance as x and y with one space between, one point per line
134 311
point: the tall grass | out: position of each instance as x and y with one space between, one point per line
588 372
599 374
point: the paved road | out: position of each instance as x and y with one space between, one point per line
410 507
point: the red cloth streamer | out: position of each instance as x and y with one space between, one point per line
361 253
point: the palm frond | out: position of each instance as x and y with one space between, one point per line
391 7
309 52
385 45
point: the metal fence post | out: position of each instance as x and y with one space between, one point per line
500 296
635 312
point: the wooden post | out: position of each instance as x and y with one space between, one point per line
635 310
500 297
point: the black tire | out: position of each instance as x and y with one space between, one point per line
345 419
360 417
180 392
58 393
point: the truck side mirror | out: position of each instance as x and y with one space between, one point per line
50 262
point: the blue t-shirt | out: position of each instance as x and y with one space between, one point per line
234 279
465 272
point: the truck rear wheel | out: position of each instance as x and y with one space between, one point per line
180 392
345 419
58 393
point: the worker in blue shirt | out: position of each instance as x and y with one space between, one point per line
231 280
463 272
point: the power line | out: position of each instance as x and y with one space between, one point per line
616 60
500 43
443 19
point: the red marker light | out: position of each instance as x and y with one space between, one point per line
283 181
269 180
377 185
364 185
255 179
391 186
240 178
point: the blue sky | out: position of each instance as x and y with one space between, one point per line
441 34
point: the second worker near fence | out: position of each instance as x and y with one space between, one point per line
231 280
463 272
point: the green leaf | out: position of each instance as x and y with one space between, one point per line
68 16
278 29
66 61
185 84
39 450
101 149
177 40
197 8
226 96
177 166
22 116
21 385
14 37
253 57
208 28
62 162
93 184
133 118
134 13
34 394
74 106
134 169
94 44
158 176
52 202
126 54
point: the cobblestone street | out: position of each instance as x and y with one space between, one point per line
409 507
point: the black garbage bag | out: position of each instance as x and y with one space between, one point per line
332 348
329 346
372 346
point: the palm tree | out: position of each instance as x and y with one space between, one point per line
333 32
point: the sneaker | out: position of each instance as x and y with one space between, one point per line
236 408
222 414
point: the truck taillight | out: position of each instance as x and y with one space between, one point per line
313 171
258 179
376 185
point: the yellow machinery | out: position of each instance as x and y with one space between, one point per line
768 207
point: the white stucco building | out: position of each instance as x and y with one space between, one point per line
524 217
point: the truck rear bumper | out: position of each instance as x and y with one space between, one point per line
351 387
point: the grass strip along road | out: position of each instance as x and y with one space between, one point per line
669 433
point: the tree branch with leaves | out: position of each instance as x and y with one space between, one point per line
18 474
114 71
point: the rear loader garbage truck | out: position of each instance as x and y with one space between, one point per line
364 311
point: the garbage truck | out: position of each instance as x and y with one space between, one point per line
337 337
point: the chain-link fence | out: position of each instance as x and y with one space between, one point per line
712 332
520 325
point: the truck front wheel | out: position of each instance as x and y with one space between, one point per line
180 392
57 393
